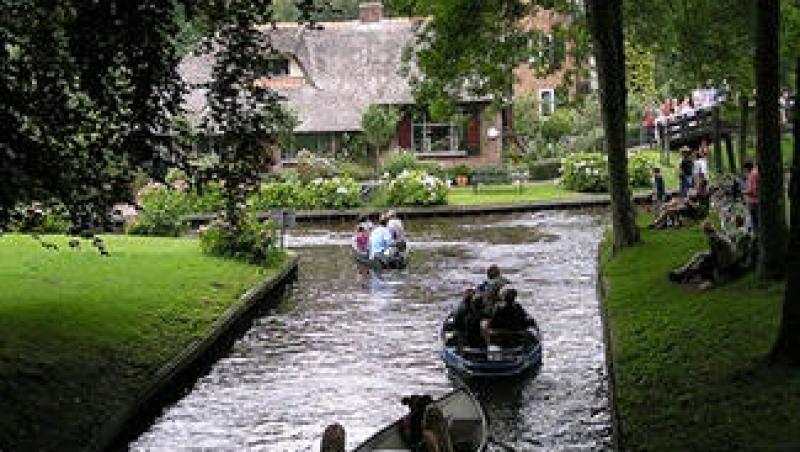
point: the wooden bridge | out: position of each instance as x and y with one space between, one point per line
690 130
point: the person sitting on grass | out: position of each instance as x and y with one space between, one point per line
718 263
694 207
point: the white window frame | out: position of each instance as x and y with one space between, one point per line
552 101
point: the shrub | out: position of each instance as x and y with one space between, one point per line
252 241
399 162
588 171
640 167
162 212
544 169
40 218
585 172
287 194
413 188
355 171
210 201
333 193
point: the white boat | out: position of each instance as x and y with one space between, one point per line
468 427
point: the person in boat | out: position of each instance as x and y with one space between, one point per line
435 431
509 323
333 439
395 227
488 291
411 423
379 240
364 221
361 240
467 320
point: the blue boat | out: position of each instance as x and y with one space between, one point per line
493 361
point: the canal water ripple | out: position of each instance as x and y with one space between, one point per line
347 344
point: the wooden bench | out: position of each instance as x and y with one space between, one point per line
518 178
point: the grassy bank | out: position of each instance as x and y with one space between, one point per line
507 194
81 333
688 364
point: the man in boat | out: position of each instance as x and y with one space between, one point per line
361 240
509 323
333 439
488 292
467 320
395 227
379 240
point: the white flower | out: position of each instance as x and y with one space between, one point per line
341 190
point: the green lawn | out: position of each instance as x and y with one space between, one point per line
689 365
507 194
81 333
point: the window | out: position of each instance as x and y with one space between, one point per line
547 102
437 137
276 67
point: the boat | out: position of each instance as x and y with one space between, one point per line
492 361
469 428
399 260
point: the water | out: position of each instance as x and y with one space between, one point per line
346 345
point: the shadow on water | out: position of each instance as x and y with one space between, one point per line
350 342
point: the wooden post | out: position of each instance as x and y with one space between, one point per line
744 106
717 141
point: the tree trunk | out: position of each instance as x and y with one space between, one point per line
605 23
744 106
772 216
787 346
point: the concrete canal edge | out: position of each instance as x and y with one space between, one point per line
602 288
321 216
173 379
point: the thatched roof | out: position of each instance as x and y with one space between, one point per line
348 66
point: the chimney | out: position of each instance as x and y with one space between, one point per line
370 11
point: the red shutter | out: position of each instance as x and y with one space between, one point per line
404 133
474 131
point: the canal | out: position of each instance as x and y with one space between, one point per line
346 344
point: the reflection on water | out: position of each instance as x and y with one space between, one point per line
349 343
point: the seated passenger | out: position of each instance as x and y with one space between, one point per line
489 288
467 320
361 240
509 323
395 227
435 431
411 423
333 439
710 266
379 240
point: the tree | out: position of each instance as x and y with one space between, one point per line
771 211
87 91
246 117
605 23
380 125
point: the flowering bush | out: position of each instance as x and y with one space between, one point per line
332 193
588 171
414 188
287 194
252 241
585 171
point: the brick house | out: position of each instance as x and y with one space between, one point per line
331 74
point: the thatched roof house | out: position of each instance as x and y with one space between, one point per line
331 75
